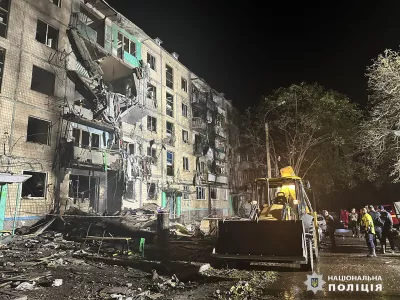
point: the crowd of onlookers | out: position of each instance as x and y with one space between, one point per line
374 225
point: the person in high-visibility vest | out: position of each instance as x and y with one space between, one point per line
368 224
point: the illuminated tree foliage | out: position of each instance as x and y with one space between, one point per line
379 140
311 129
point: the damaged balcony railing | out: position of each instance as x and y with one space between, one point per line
198 124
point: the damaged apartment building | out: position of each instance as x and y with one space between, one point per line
99 116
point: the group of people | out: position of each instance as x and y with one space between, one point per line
374 224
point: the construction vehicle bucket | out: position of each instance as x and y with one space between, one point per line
262 241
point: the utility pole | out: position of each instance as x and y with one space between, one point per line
268 153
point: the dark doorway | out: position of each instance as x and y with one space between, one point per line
115 189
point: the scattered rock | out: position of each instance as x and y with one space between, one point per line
26 286
57 282
204 268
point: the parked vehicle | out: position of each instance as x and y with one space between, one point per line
390 209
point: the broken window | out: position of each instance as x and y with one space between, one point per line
42 81
2 58
169 77
125 45
85 143
38 131
170 105
56 2
76 133
153 154
151 124
184 110
4 10
200 193
131 149
95 141
170 128
170 163
152 93
220 120
82 187
46 34
151 60
186 164
35 186
184 85
213 192
151 191
185 136
186 192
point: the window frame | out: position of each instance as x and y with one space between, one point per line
44 188
186 192
151 60
185 164
7 13
48 130
169 101
171 164
151 126
202 193
169 77
185 112
183 136
184 85
55 47
45 71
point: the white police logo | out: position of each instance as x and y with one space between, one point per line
314 283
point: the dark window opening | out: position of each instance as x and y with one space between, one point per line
153 154
184 110
184 85
34 186
46 34
125 45
85 139
151 124
4 10
151 191
213 193
169 77
104 140
131 148
186 164
185 136
2 59
151 60
95 141
186 192
76 133
170 105
170 128
170 163
83 187
38 131
42 81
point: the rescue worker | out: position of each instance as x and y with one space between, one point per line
344 218
368 224
376 218
386 229
330 227
353 219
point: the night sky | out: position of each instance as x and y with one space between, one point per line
247 50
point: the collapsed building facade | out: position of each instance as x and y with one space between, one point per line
98 115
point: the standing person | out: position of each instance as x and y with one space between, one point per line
368 224
344 218
353 218
376 218
330 227
387 229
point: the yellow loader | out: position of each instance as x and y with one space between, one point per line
282 226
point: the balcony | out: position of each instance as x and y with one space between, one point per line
199 100
198 149
97 157
220 131
198 124
220 154
218 179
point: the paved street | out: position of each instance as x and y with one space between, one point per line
349 259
